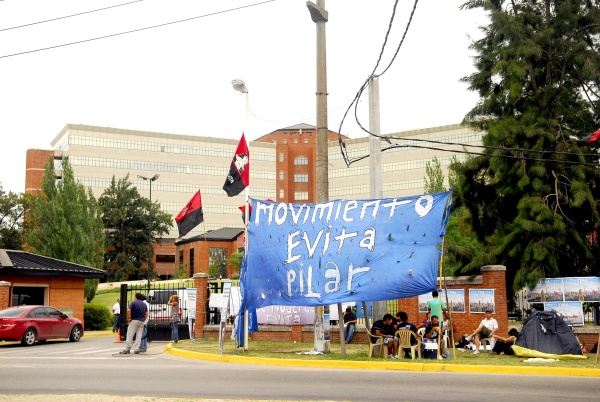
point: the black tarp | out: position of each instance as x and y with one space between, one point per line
547 332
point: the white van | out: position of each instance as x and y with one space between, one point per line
160 310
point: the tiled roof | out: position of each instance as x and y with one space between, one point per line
22 263
223 234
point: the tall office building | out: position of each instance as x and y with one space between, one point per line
282 168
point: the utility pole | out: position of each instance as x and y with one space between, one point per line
379 307
320 16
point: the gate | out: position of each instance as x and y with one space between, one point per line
157 296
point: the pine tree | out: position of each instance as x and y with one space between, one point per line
533 200
64 222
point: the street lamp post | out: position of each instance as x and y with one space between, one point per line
240 86
150 179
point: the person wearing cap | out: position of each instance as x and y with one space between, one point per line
487 328
116 310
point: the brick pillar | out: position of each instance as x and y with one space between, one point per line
4 295
201 285
494 277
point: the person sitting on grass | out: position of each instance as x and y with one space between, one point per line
503 345
487 328
386 329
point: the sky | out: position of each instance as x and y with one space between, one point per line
176 78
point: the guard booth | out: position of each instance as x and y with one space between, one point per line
157 296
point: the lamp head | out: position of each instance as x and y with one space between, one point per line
156 176
239 86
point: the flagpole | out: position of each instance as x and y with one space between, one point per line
246 222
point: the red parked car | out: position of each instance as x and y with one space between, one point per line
37 323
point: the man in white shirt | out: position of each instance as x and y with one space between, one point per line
116 310
487 328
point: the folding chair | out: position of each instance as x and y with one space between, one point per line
378 343
405 337
421 332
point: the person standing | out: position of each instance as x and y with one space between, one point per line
349 324
436 306
144 343
137 312
116 310
174 303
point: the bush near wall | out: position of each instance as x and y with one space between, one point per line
96 317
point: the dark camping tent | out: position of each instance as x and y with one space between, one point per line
545 334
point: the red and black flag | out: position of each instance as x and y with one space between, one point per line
190 216
589 139
239 171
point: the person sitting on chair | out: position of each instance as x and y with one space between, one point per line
432 332
385 328
403 323
487 328
349 324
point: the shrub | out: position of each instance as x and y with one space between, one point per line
96 316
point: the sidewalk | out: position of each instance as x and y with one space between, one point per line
376 365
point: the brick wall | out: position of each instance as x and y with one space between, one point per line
4 294
201 285
492 277
35 160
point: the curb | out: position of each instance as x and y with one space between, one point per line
395 365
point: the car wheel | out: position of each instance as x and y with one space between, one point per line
75 334
29 337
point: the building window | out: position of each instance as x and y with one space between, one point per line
284 142
165 258
295 141
281 175
191 262
181 256
306 140
281 157
301 160
217 262
301 178
281 193
301 195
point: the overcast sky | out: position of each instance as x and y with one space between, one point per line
177 78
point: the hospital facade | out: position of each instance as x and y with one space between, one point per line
282 168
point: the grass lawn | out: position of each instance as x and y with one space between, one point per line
358 352
106 298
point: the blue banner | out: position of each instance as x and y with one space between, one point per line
343 250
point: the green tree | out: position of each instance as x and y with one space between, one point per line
126 216
64 222
235 260
434 182
533 197
11 220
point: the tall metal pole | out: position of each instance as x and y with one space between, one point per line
379 307
150 179
240 86
320 16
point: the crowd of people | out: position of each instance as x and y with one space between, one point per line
437 330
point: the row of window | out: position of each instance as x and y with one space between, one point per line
174 187
217 152
295 141
353 171
163 167
409 145
366 188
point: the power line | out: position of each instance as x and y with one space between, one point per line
138 30
69 16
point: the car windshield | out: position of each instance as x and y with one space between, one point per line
11 312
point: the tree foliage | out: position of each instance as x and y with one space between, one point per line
533 200
129 229
12 207
64 222
434 181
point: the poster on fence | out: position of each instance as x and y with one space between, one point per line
583 289
546 290
481 300
570 312
456 300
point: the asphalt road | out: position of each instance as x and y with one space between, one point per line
92 366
